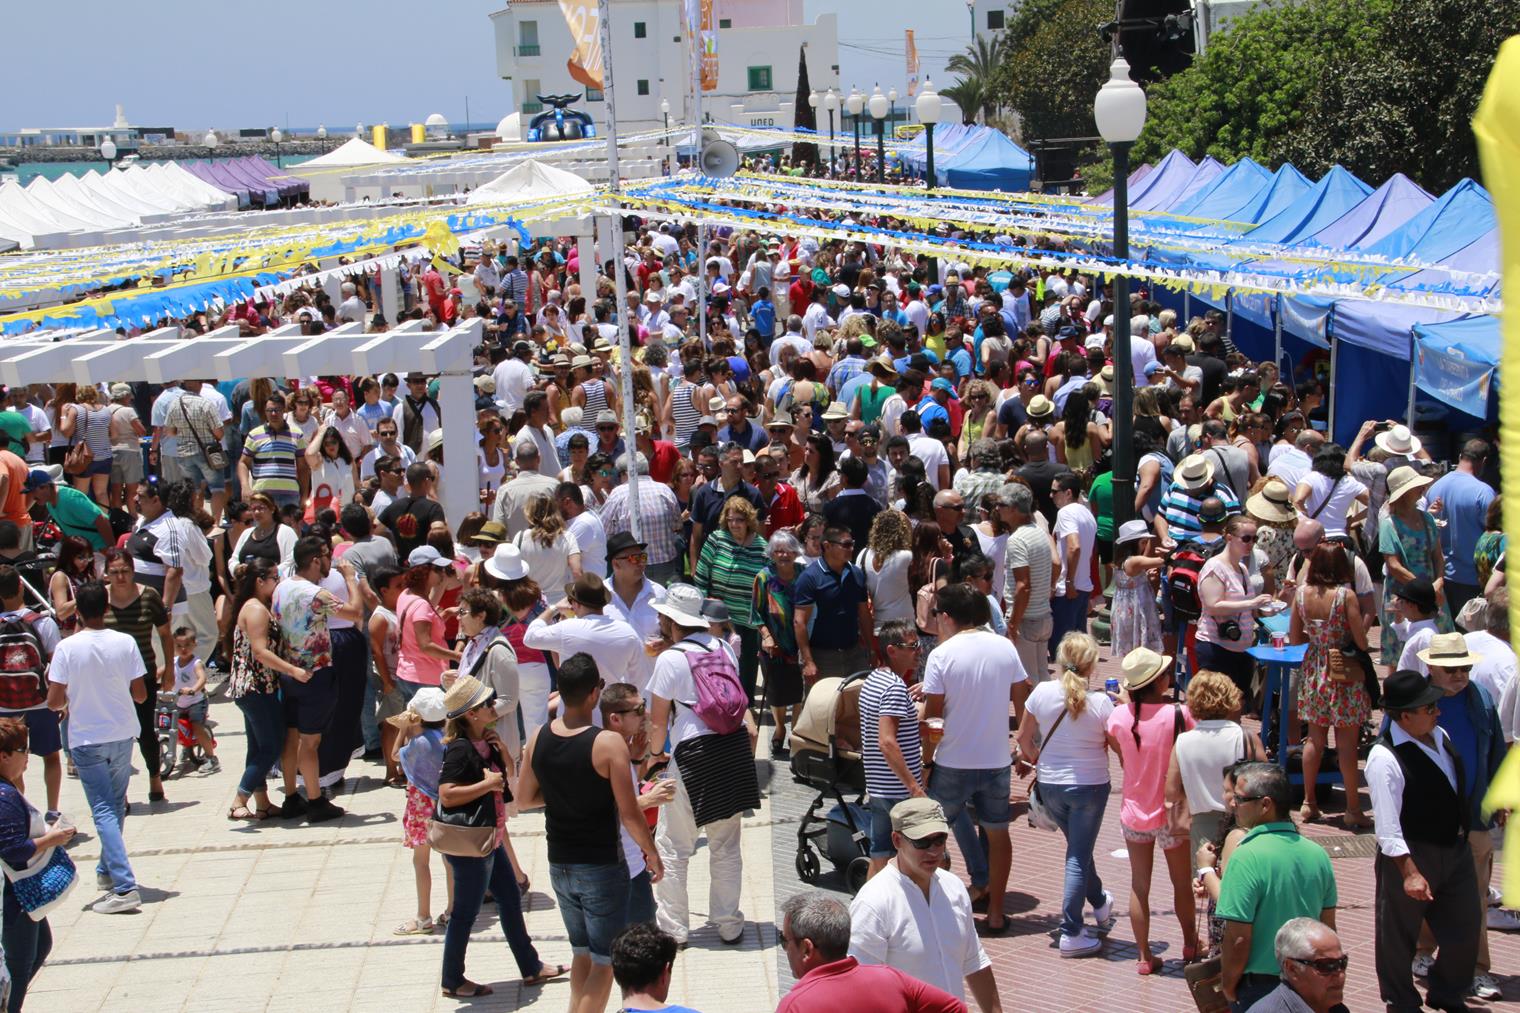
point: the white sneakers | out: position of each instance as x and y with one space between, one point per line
1484 987
119 903
1104 915
1080 945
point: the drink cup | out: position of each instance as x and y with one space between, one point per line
1279 640
1111 685
936 728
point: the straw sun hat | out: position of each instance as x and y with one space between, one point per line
1274 504
1402 479
1143 666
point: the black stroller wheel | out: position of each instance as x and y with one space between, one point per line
856 874
808 865
166 750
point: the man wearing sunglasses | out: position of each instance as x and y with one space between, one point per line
1274 876
1424 813
1313 970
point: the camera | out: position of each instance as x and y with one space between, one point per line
1230 629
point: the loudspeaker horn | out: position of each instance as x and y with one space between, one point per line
719 158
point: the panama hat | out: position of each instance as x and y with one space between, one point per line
1449 650
1402 479
682 606
1274 503
1040 407
1131 531
465 695
835 410
507 563
1195 472
1143 666
582 362
1399 442
490 533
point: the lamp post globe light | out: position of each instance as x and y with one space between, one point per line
359 130
879 108
853 106
322 132
892 115
1119 112
831 103
211 140
928 107
108 151
665 112
277 135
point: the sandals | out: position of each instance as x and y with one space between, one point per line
547 973
468 990
242 812
1356 821
395 782
1149 966
269 812
442 920
523 885
416 927
1308 814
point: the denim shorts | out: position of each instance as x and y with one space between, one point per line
881 827
593 901
196 712
986 790
197 471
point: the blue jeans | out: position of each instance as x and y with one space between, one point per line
104 770
264 726
641 906
1067 615
987 791
471 878
1078 808
27 944
593 902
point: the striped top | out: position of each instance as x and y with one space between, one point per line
684 412
596 397
884 692
726 571
93 426
272 459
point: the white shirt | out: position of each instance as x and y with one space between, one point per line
672 681
929 938
549 564
1421 633
789 340
1075 519
932 453
1385 783
1341 494
514 378
589 534
918 315
1203 752
888 587
1141 354
645 622
97 667
975 672
610 641
367 462
1495 669
1289 464
817 316
352 309
1076 754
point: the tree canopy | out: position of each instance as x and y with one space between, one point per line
1053 63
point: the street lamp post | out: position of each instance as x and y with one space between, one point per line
831 103
878 106
813 97
276 135
211 140
108 152
322 132
853 105
892 116
665 112
928 108
1120 114
971 15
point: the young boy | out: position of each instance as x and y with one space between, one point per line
190 690
384 632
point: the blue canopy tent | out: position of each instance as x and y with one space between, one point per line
1208 170
1456 363
1169 174
1384 210
1229 191
1329 199
971 157
1107 197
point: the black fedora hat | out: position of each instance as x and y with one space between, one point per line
620 543
1407 690
1420 592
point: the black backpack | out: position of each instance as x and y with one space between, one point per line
1184 567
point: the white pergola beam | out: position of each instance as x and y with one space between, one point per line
190 357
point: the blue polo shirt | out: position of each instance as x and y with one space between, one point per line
835 599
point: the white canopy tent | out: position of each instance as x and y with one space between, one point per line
76 205
325 172
527 182
164 355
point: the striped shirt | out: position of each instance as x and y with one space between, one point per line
884 693
684 412
272 459
596 397
726 571
1180 508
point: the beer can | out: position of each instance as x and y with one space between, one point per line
1112 685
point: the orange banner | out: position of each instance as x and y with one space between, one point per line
709 41
911 48
585 64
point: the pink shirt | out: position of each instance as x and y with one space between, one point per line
411 664
1144 806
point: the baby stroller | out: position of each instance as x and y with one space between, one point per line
826 756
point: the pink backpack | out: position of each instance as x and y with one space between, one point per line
721 700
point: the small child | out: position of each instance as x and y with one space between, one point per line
1135 620
190 690
419 751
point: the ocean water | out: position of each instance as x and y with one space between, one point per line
26 171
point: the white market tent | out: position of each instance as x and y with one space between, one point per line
529 181
324 172
77 205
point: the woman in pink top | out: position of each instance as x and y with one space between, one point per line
1143 733
423 653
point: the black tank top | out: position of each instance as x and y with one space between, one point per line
267 547
580 816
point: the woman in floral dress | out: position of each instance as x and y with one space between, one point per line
1411 546
1325 617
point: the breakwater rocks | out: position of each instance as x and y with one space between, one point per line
226 149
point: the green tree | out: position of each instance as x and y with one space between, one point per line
967 94
1053 65
977 67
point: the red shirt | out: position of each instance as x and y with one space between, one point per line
433 286
663 464
840 986
784 511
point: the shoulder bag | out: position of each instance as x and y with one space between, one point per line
468 832
211 450
79 458
1039 814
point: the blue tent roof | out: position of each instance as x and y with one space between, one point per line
972 157
1168 174
1107 197
1288 184
1443 227
1338 192
1208 170
1382 211
1232 189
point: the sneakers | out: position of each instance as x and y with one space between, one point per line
294 808
213 765
1495 897
1104 915
1080 945
1484 987
104 881
119 903
1504 919
321 811
1421 964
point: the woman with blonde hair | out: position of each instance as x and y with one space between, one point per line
1204 752
885 561
1071 762
978 415
551 552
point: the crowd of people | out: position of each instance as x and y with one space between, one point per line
861 461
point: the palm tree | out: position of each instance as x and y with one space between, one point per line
977 68
967 94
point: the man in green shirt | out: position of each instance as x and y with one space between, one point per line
1273 876
15 428
74 512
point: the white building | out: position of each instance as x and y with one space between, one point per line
758 45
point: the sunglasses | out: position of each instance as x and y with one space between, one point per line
639 710
928 843
1247 539
847 544
634 557
1324 965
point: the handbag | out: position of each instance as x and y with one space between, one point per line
1205 979
79 457
44 883
1039 814
459 833
212 451
924 599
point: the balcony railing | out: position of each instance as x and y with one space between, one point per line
529 108
528 50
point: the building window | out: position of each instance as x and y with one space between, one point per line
759 79
531 87
527 38
725 22
643 86
995 21
593 94
640 30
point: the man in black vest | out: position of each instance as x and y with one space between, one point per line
1424 864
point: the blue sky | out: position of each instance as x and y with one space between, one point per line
195 64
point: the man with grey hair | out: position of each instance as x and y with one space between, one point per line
1293 463
510 508
1313 970
1029 568
659 516
815 935
1274 875
793 338
352 308
1142 351
984 475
